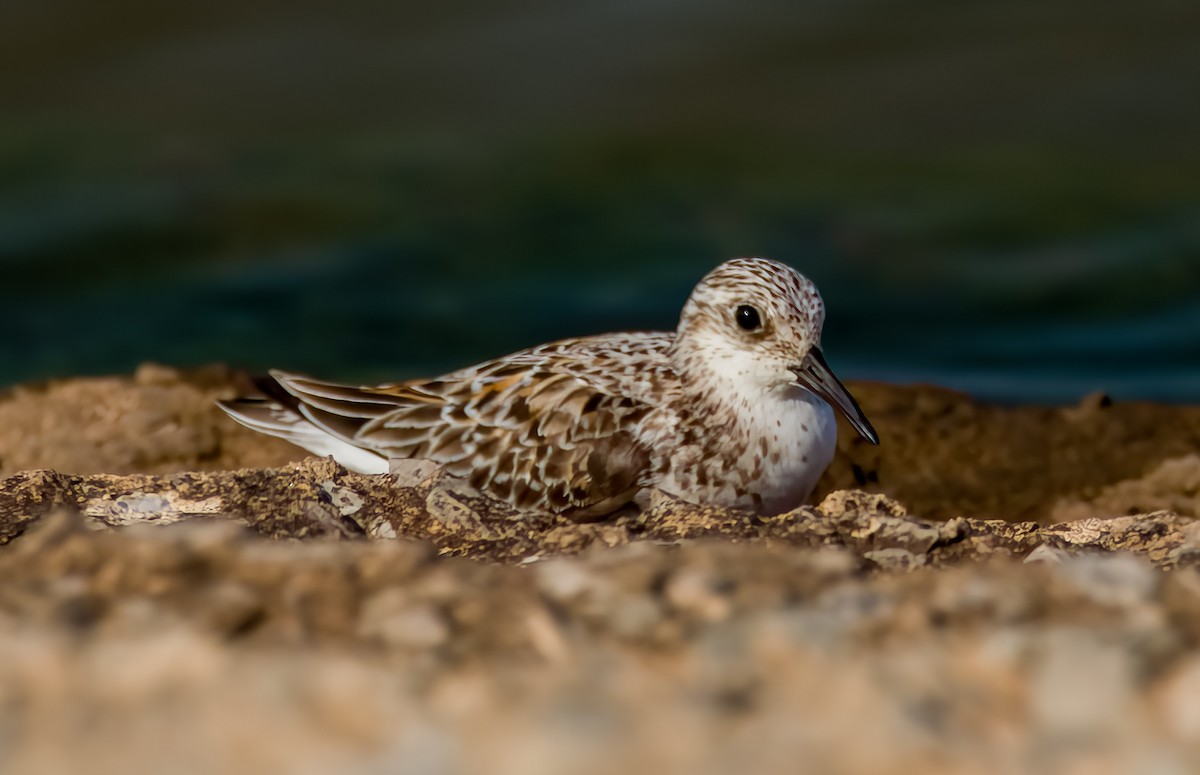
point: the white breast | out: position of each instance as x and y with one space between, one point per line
767 457
799 432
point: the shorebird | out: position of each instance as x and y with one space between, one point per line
735 407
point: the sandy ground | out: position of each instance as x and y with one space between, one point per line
206 645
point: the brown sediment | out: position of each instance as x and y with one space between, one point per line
943 454
178 593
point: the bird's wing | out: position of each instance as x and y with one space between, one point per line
517 428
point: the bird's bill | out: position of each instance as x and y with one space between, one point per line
814 373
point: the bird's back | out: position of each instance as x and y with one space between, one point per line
633 364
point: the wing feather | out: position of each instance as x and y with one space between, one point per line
541 429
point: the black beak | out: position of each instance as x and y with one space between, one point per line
814 373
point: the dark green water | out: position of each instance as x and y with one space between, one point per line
1001 199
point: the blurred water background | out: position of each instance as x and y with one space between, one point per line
997 197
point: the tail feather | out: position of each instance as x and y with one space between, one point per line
342 400
275 419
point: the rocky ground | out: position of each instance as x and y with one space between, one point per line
991 589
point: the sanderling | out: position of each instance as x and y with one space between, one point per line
733 408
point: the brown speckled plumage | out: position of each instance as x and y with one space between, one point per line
712 412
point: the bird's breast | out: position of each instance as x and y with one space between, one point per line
796 437
765 455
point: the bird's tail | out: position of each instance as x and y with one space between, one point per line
274 417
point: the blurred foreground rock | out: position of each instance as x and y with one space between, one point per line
204 647
266 612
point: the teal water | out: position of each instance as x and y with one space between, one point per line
1004 200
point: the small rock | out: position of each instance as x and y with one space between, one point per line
1179 701
229 607
690 591
564 581
392 617
896 559
344 499
1046 555
545 635
846 503
635 617
1120 580
1080 688
411 472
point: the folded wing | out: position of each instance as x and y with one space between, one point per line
534 438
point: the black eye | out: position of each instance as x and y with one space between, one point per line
747 317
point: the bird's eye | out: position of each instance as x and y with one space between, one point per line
747 318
